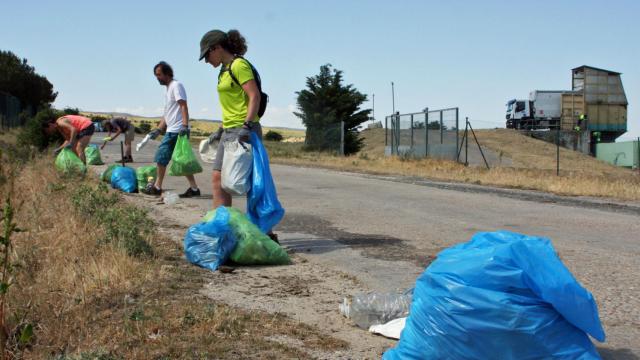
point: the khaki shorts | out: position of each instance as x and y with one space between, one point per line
130 134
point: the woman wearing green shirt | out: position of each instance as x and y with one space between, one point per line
239 99
239 94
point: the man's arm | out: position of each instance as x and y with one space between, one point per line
184 109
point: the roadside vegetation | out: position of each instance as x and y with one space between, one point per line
89 277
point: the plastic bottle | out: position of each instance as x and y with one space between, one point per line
375 308
170 198
143 142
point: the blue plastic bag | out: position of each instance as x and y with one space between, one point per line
263 207
124 178
501 295
209 244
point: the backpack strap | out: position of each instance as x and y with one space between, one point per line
256 76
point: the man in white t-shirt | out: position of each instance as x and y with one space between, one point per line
175 122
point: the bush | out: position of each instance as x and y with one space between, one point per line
143 128
33 134
125 226
71 111
273 136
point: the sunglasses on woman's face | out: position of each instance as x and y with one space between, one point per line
208 51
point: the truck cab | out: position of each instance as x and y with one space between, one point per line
518 110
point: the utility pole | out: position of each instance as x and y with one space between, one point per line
393 99
373 107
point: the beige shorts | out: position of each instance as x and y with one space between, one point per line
130 134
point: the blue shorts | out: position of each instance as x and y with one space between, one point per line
165 150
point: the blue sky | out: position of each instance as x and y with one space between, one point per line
472 54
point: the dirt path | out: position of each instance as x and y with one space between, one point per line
308 290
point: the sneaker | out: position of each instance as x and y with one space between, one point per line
190 193
128 159
152 190
273 237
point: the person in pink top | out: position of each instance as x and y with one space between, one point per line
76 130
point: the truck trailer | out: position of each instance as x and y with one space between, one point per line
596 94
543 110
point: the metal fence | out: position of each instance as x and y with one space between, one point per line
327 138
9 111
430 133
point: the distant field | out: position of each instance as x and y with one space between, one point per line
202 128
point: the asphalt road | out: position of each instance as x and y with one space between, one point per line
396 228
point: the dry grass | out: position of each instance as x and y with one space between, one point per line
88 299
581 175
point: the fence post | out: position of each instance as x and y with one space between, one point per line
385 130
411 142
457 130
466 144
426 131
441 130
342 138
558 151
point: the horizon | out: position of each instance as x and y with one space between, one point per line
471 55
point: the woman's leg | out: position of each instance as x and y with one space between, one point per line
220 197
80 146
127 148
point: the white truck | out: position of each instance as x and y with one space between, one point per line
543 110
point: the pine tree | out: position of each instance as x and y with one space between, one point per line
324 104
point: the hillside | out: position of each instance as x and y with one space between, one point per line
518 151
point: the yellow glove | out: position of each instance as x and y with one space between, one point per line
108 138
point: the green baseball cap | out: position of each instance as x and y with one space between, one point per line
210 39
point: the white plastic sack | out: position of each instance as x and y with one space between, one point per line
391 330
237 164
208 151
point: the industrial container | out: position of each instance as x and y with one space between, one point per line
624 153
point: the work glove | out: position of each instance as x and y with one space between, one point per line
216 136
154 133
184 130
245 132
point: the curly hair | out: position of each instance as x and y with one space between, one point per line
235 43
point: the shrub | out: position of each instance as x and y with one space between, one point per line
273 136
33 134
125 226
143 128
71 111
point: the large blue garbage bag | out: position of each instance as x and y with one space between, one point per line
501 295
263 207
124 178
209 244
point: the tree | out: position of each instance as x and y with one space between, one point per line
324 104
19 79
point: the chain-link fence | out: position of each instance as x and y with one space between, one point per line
9 111
431 133
327 138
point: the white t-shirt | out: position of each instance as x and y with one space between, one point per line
172 113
